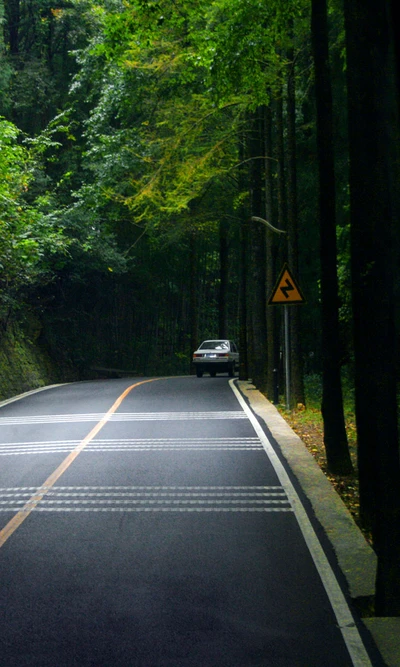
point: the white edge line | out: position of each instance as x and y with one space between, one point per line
29 393
351 636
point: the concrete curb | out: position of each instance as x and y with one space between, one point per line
356 558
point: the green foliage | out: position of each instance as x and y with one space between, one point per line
5 69
313 388
24 365
25 234
36 239
193 74
134 112
36 63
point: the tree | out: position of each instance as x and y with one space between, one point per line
258 319
174 91
243 284
223 325
374 206
296 361
160 94
28 237
271 268
39 38
335 438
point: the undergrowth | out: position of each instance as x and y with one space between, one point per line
307 422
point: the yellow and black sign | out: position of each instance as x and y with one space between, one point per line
286 290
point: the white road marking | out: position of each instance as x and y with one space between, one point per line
73 443
338 602
150 501
131 445
130 499
8 401
41 508
156 488
120 417
143 494
51 419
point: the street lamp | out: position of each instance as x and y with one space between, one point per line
255 218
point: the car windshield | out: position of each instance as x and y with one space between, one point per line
214 345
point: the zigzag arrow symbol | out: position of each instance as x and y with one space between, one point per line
289 287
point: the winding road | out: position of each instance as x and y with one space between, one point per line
150 523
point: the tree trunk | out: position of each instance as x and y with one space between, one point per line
244 224
194 320
374 197
223 284
258 245
280 165
282 223
271 268
12 8
297 380
335 437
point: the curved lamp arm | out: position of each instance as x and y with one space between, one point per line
268 224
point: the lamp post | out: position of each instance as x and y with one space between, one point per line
254 218
267 224
287 293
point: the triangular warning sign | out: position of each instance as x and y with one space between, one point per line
286 290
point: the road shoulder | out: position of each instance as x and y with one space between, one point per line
356 558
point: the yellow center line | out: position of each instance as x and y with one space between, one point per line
30 505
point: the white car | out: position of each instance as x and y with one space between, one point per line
216 356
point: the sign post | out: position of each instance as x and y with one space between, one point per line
286 292
287 357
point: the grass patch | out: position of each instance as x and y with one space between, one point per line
307 422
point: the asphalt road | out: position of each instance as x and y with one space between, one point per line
153 533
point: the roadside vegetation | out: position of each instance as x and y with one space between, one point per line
25 364
307 422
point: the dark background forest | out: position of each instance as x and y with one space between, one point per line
161 161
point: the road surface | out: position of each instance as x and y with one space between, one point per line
143 524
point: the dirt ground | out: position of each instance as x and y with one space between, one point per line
308 425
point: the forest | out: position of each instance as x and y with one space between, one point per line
160 162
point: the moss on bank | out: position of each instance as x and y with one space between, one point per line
24 365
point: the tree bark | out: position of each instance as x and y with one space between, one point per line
271 268
194 318
258 259
223 284
244 224
282 222
12 8
335 437
280 168
297 379
374 207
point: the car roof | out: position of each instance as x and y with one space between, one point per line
216 340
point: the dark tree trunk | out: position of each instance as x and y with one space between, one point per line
396 41
282 222
244 231
280 165
271 269
297 380
223 284
194 318
374 183
12 8
258 246
335 437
